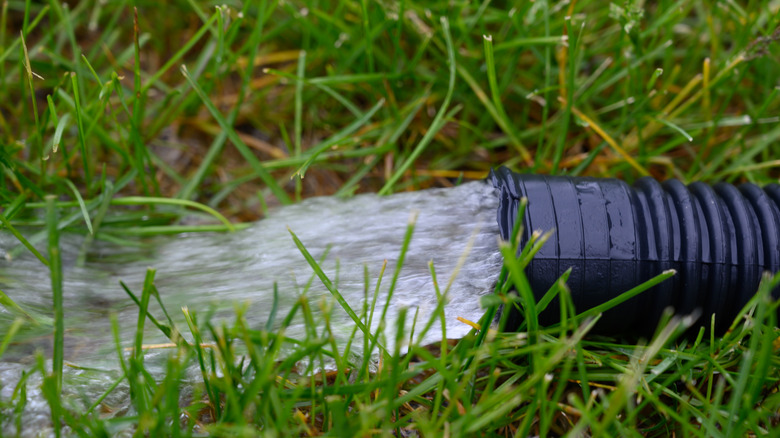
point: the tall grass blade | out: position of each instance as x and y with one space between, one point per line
55 271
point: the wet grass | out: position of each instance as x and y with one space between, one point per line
133 118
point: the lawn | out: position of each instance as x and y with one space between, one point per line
119 119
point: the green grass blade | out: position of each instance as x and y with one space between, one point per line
337 138
144 200
55 270
23 240
298 116
82 206
625 296
180 53
9 304
438 121
242 147
10 333
85 156
333 290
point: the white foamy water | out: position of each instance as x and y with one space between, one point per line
216 271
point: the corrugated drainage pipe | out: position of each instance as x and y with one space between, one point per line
719 238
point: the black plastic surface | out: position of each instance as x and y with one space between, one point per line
719 238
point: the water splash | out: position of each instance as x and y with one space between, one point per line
215 271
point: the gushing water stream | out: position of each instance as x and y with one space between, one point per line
454 228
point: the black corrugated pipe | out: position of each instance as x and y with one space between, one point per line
719 238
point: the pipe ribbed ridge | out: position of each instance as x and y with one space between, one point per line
719 238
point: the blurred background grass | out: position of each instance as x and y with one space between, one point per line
348 93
